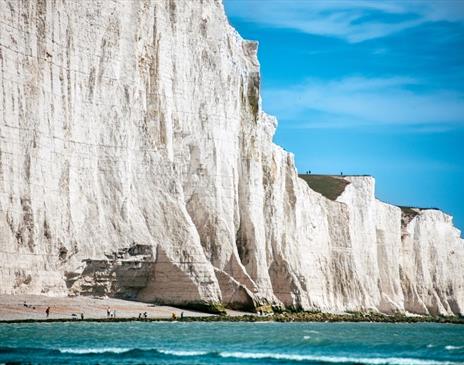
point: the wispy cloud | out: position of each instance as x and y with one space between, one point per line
352 20
360 101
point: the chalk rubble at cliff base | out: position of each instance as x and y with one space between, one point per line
136 162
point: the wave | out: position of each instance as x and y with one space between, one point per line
183 353
72 351
328 359
450 347
103 350
335 359
119 350
23 350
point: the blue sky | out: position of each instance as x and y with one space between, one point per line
367 87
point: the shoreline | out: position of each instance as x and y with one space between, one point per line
286 317
32 309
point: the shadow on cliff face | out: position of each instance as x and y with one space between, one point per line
284 284
234 294
122 276
133 274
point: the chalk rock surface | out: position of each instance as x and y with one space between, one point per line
136 162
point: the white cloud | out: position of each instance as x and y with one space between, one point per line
359 101
352 20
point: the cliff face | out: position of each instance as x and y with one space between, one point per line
135 161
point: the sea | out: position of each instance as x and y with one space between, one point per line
231 343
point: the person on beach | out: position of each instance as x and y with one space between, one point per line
82 316
145 315
108 312
114 313
173 317
181 316
140 315
47 311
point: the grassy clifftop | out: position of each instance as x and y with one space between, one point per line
328 185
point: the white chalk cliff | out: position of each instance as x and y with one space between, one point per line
136 161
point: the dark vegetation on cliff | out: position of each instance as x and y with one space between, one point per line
329 186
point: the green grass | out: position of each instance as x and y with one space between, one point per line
406 208
413 211
328 185
408 211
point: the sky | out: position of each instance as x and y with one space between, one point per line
367 87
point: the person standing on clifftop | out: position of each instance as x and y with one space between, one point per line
47 311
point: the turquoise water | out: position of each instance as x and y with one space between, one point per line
231 343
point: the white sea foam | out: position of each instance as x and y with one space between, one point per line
183 353
306 337
450 347
119 350
336 359
115 350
